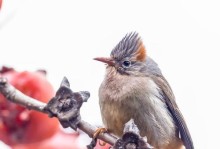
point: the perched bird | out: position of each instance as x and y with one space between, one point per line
134 87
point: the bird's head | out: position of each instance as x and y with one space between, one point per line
128 57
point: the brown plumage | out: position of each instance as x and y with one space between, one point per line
141 53
134 87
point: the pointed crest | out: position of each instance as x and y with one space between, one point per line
131 45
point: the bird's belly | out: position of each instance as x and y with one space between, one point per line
116 114
148 111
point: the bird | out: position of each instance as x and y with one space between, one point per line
135 88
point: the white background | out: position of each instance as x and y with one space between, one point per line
63 37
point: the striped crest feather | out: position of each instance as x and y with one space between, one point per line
130 46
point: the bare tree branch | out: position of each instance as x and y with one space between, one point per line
16 96
66 106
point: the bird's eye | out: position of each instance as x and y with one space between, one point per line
126 64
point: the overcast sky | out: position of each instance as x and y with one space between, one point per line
63 37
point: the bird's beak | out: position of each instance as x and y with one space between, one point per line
106 60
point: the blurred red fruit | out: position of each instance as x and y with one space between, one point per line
60 140
101 145
0 4
19 125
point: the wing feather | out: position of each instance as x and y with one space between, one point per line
167 96
169 99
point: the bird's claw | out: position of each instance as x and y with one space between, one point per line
99 131
94 138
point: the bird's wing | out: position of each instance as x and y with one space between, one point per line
167 96
169 99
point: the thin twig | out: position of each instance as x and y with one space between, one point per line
18 97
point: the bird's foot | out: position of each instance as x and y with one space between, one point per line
99 131
94 138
